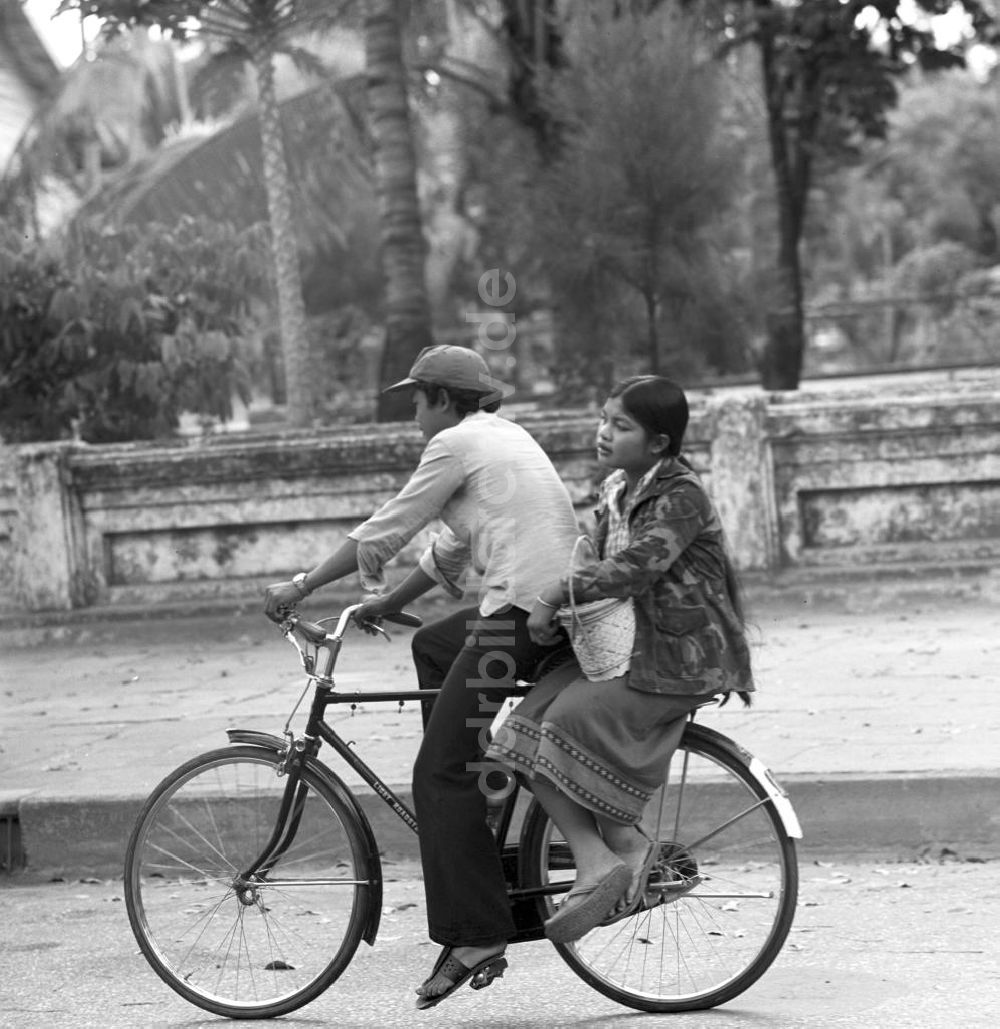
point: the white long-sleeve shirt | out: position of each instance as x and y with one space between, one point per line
506 515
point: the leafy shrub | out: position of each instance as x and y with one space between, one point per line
934 271
114 337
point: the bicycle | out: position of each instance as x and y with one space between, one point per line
252 873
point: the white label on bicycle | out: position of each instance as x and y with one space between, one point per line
789 819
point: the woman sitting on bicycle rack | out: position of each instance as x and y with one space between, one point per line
507 514
594 752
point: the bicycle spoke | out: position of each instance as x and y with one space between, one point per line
729 823
179 862
720 895
245 946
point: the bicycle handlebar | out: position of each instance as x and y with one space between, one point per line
318 635
404 618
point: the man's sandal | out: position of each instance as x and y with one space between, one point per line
458 974
574 920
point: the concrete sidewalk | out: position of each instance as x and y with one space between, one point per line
878 709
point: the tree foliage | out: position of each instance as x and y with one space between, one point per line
110 109
234 23
899 248
623 212
940 161
830 71
256 31
113 340
218 175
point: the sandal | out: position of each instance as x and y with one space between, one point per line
458 974
572 921
652 853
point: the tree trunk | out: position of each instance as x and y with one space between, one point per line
652 336
781 362
531 28
407 309
292 329
181 89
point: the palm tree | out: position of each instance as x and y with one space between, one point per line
217 174
110 109
407 310
255 30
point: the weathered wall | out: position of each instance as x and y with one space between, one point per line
831 479
8 515
863 480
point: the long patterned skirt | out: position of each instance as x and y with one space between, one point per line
603 744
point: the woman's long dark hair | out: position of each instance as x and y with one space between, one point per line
660 407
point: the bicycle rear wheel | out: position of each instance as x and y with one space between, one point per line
246 946
718 903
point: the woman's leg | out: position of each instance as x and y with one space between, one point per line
592 855
603 751
631 845
629 842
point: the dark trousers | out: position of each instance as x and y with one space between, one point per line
474 661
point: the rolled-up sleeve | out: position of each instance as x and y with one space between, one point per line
674 523
446 561
397 521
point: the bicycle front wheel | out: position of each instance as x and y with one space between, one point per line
718 902
239 945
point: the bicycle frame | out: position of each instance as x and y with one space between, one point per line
318 730
252 930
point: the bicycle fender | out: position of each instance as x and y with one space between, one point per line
760 772
257 739
778 796
278 745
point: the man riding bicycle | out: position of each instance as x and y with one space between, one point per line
508 517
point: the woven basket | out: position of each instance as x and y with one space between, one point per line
602 632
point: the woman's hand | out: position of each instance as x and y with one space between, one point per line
280 598
543 627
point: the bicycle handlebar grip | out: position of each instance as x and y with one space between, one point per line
404 618
314 633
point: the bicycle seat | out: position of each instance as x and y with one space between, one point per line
555 658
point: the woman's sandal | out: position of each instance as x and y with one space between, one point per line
572 921
458 974
652 853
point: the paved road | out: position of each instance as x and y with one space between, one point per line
879 708
874 946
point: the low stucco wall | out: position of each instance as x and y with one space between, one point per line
824 479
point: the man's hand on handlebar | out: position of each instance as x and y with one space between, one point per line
279 599
370 614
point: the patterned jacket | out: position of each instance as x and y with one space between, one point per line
688 637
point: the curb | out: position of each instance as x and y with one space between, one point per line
850 817
898 816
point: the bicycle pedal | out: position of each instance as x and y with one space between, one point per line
665 892
679 885
483 978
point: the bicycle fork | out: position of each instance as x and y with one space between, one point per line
293 802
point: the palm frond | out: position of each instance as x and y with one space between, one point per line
281 20
306 62
126 96
218 83
220 175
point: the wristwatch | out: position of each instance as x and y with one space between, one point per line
299 582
